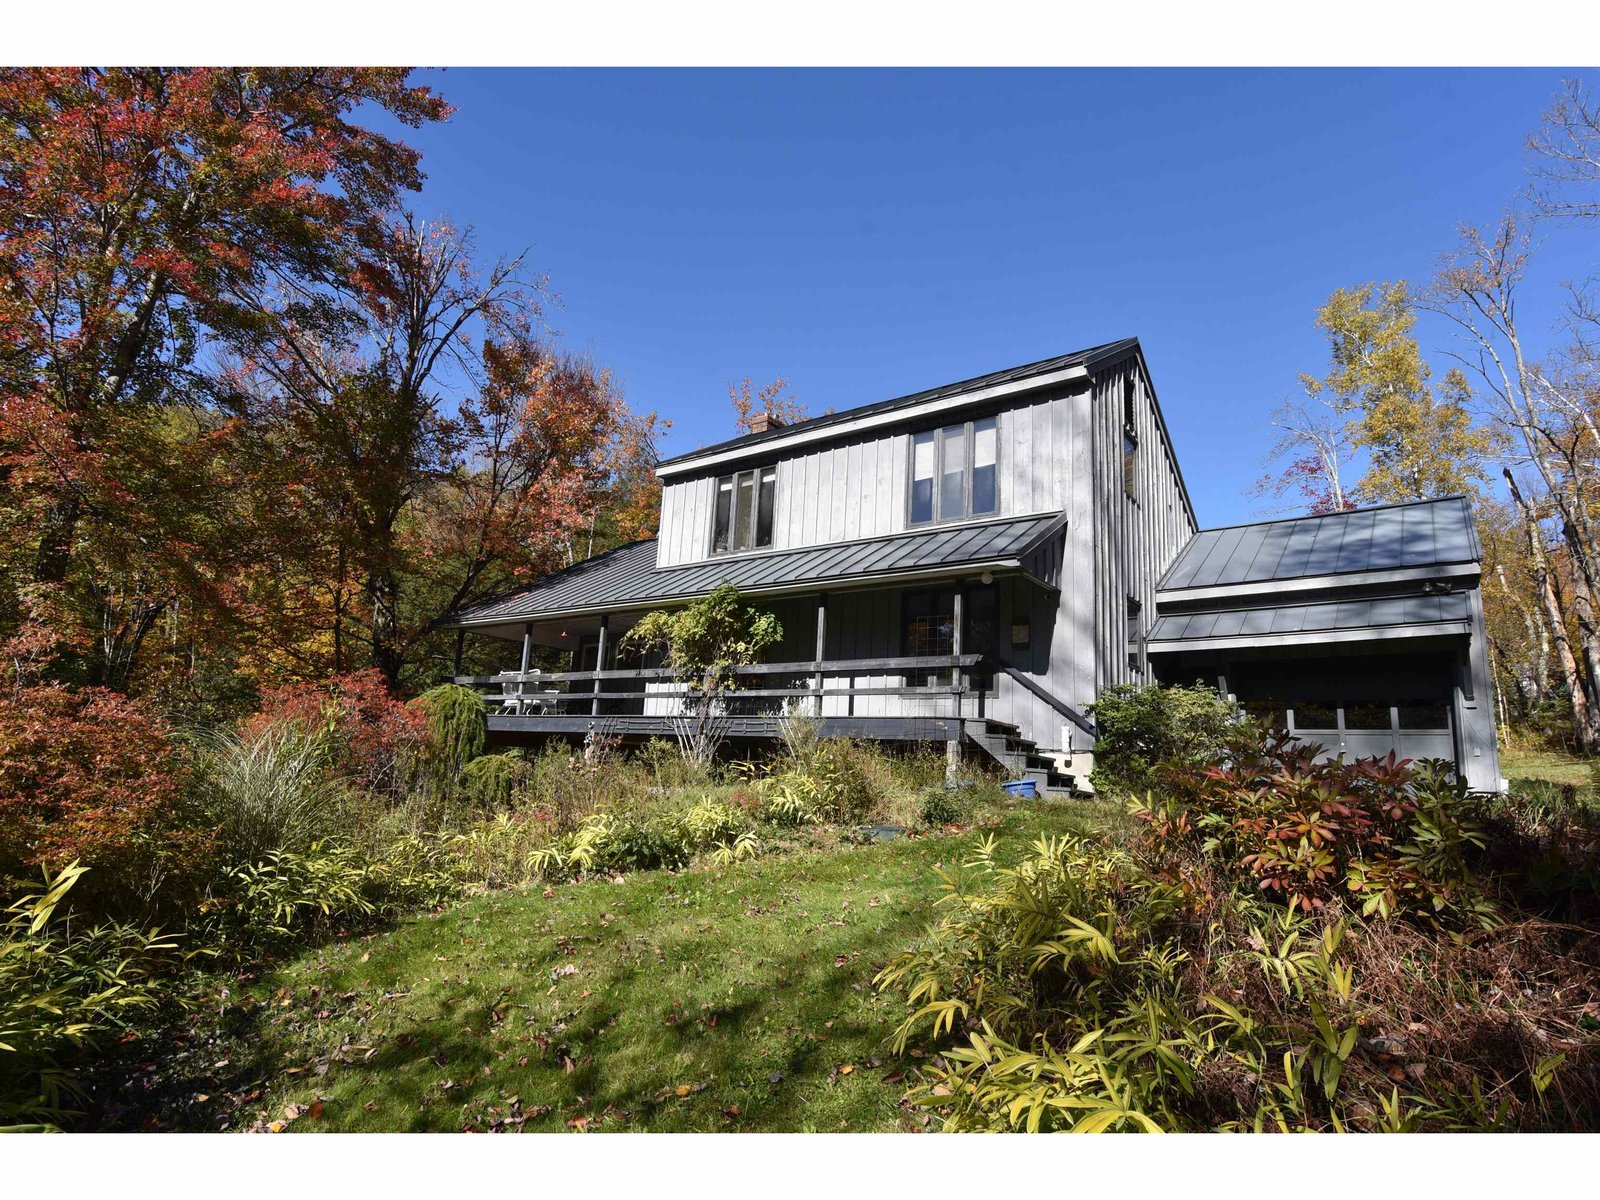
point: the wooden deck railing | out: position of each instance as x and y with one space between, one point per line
563 692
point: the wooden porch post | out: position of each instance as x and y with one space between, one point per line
952 746
527 655
600 662
822 645
461 640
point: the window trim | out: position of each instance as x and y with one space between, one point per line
969 444
733 510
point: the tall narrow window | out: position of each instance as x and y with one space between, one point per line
955 472
724 515
985 445
742 516
923 448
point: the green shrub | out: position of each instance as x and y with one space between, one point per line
790 801
274 790
457 725
290 896
491 781
940 807
64 987
1144 729
1392 836
1084 989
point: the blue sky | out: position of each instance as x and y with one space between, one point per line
871 233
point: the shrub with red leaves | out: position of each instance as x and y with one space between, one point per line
92 775
1390 834
376 735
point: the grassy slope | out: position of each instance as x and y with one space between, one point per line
1545 764
709 1000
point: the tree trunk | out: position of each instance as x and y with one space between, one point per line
383 592
54 555
1583 709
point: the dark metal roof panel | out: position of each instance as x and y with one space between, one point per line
1091 357
1420 534
627 577
1323 616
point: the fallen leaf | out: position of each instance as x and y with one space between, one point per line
316 1110
847 1068
293 1111
277 1126
581 1124
681 1090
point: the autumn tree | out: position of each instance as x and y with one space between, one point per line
1377 400
143 213
778 406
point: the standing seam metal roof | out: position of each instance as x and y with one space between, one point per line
1420 534
1093 356
1327 616
627 576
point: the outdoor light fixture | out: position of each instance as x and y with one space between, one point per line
987 577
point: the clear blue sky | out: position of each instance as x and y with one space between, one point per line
868 234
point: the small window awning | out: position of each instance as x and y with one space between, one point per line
626 579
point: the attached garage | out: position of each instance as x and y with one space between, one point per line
1360 631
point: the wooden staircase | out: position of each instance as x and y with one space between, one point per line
1004 743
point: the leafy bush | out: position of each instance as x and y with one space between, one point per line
491 782
1394 836
457 725
295 896
791 801
63 987
1543 840
1143 729
939 807
93 777
377 740
1083 989
275 790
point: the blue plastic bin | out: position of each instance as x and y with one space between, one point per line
1026 789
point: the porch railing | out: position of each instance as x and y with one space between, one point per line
572 693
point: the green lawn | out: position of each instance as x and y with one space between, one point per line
1545 764
738 999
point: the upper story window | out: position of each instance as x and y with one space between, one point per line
955 472
743 515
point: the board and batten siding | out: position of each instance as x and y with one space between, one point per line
1134 540
857 489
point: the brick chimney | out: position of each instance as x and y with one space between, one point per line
760 422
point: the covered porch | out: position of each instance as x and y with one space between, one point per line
953 648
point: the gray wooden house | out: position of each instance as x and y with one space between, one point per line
972 564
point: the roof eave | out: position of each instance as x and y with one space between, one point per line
810 433
1009 563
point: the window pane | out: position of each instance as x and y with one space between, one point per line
953 477
985 441
921 478
724 513
1366 716
1424 714
929 632
769 495
1130 463
744 511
